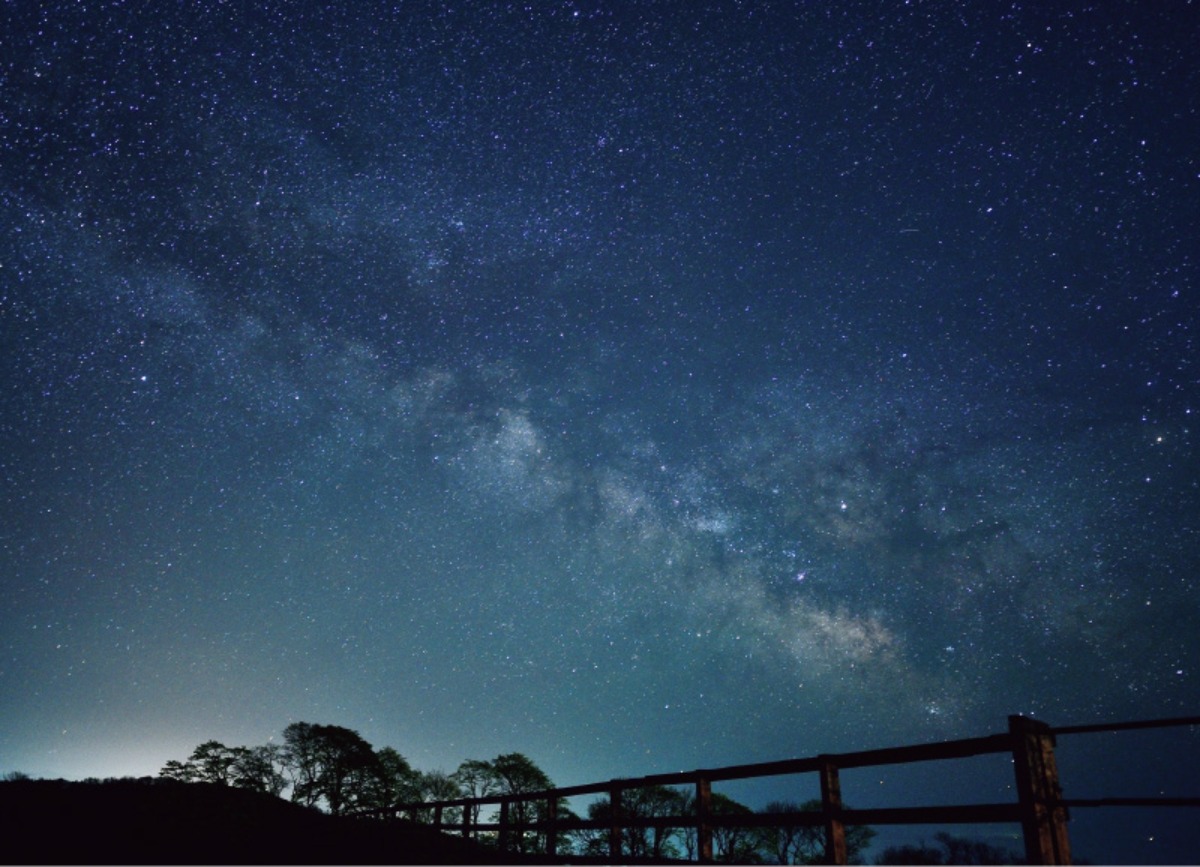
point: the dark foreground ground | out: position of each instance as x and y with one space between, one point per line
167 822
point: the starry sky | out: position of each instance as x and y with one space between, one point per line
639 386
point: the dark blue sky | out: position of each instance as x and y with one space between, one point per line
639 386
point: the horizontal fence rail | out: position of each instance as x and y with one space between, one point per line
1040 809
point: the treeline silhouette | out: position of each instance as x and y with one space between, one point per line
337 770
326 795
949 849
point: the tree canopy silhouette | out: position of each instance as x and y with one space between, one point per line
949 850
333 764
805 844
335 769
324 765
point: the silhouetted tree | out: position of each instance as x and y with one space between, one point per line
258 769
953 850
255 768
641 802
805 844
184 772
213 762
302 763
960 850
475 779
439 786
324 764
395 781
331 764
911 854
516 774
731 845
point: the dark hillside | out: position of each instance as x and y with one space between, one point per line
167 822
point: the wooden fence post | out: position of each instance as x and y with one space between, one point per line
614 826
704 835
831 806
437 817
1043 819
552 831
504 837
466 821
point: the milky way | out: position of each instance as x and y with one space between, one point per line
638 386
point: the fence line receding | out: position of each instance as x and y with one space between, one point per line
1040 808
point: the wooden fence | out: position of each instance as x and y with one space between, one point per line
1040 808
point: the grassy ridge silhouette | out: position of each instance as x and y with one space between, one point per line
156 821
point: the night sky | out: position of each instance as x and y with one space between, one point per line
639 386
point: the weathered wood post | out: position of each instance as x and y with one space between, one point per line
704 835
614 822
504 835
437 816
831 806
552 830
466 821
1043 818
